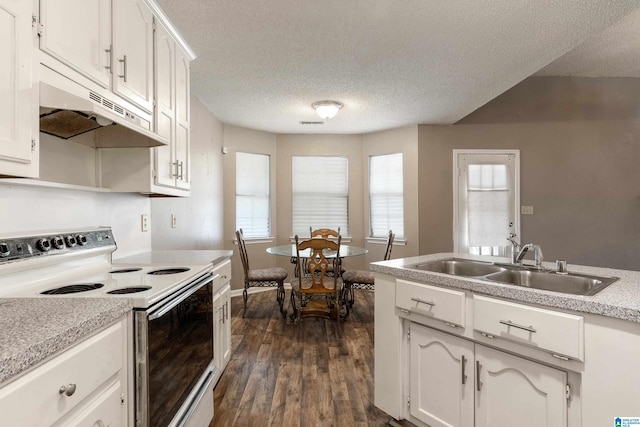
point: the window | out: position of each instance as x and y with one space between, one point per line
486 201
253 199
386 196
319 193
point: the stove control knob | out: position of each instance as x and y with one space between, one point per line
81 239
71 241
58 242
4 250
44 245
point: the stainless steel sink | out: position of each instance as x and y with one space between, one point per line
460 267
571 283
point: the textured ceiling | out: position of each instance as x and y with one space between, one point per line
261 64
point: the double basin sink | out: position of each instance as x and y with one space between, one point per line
569 283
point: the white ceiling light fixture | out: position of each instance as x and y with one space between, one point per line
327 109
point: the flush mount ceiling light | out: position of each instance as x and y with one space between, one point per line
327 109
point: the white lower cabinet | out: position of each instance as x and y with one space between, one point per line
222 320
456 382
85 385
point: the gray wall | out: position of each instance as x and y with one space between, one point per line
580 147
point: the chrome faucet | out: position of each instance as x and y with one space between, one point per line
537 255
515 247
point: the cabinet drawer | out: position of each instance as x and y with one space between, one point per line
224 270
559 333
430 301
35 400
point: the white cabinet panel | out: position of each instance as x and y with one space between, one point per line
78 33
133 52
18 155
515 391
441 378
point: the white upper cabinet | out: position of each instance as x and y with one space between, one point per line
109 42
18 98
132 60
78 33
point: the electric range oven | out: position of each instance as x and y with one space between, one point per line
172 319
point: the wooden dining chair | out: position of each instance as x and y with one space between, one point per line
325 233
318 294
362 279
260 277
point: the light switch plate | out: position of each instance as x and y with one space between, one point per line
526 210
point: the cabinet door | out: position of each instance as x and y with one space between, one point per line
225 330
183 124
515 391
78 33
133 52
16 90
441 378
166 169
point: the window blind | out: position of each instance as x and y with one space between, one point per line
386 195
488 204
319 193
253 199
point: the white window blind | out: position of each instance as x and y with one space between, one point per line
386 195
253 202
488 205
320 193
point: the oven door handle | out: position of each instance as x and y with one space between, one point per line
163 309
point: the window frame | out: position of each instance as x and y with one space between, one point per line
344 227
399 233
269 196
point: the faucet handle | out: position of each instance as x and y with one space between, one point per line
561 266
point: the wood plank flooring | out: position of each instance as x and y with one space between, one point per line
287 374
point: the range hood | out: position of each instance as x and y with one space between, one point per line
68 109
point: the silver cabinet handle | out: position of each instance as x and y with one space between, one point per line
421 301
108 52
478 368
68 389
177 165
180 166
123 61
515 325
464 368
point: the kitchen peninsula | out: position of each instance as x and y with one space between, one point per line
468 351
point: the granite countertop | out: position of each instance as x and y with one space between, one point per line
619 300
34 329
176 257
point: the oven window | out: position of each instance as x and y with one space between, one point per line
180 350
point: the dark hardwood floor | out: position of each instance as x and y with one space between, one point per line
285 374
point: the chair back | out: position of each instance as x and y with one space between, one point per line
325 233
243 251
317 265
387 251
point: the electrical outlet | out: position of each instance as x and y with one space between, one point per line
174 221
144 222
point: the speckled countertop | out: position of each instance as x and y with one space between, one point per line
619 300
32 329
175 257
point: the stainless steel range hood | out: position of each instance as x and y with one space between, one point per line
68 109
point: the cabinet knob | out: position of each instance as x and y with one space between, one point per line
68 389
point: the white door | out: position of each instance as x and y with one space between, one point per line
183 123
514 391
166 169
133 52
486 201
15 82
78 33
441 378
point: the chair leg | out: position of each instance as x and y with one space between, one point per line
245 296
280 298
294 308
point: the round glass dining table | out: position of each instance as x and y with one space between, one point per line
290 251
